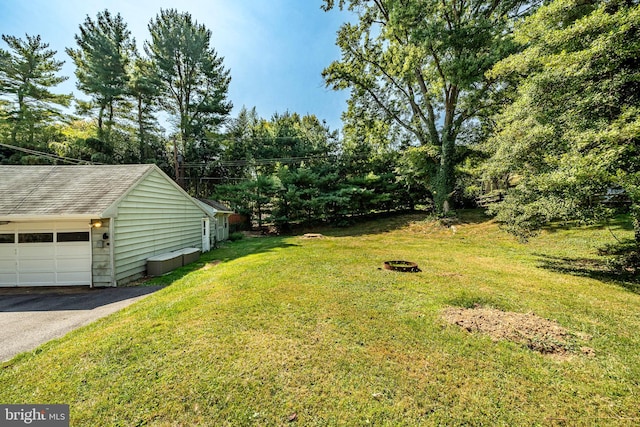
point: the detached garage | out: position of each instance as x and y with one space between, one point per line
92 225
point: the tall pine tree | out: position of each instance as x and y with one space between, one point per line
103 61
28 72
194 82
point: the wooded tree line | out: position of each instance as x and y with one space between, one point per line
539 101
179 75
448 100
295 169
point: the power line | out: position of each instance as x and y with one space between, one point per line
50 155
260 162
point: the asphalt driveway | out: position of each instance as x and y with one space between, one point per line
32 316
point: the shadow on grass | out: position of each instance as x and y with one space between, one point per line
228 251
387 222
599 269
619 222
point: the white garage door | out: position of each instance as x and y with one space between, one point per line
37 256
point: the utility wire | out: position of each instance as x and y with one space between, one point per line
50 155
257 162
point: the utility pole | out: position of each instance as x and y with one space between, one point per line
175 159
178 164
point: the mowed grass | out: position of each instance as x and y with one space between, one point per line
294 331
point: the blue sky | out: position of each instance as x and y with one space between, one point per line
275 49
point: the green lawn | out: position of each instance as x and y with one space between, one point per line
294 331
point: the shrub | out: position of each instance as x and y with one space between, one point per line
236 236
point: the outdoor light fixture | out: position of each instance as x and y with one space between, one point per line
96 223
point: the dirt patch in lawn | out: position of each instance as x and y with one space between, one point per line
211 264
312 236
532 331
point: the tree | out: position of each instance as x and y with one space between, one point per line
103 62
28 72
194 82
145 89
422 64
238 144
572 131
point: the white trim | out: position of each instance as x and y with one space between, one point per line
112 251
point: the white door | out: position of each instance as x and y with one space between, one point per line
45 255
206 235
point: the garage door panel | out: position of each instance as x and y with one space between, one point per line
36 265
74 278
8 279
36 250
7 265
72 265
37 279
66 250
7 251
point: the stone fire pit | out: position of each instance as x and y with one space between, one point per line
403 266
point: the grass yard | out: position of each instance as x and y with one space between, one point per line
295 331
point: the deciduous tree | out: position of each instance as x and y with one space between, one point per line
572 131
422 63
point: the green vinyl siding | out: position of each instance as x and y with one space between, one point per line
155 217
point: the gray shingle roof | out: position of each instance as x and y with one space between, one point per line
65 190
216 205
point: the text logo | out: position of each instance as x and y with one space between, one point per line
34 415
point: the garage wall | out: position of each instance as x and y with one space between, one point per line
101 263
155 217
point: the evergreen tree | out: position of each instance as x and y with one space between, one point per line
194 82
28 72
145 89
103 62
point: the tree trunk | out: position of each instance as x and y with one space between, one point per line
100 115
109 123
19 119
141 140
635 218
445 178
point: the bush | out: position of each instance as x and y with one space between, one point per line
236 236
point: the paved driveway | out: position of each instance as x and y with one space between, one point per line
32 316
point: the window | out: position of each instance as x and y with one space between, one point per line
7 238
74 236
35 237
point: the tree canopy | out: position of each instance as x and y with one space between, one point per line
446 97
423 63
28 73
572 132
103 62
193 78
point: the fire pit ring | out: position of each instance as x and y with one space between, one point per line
403 266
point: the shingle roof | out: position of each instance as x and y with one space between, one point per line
65 190
216 205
